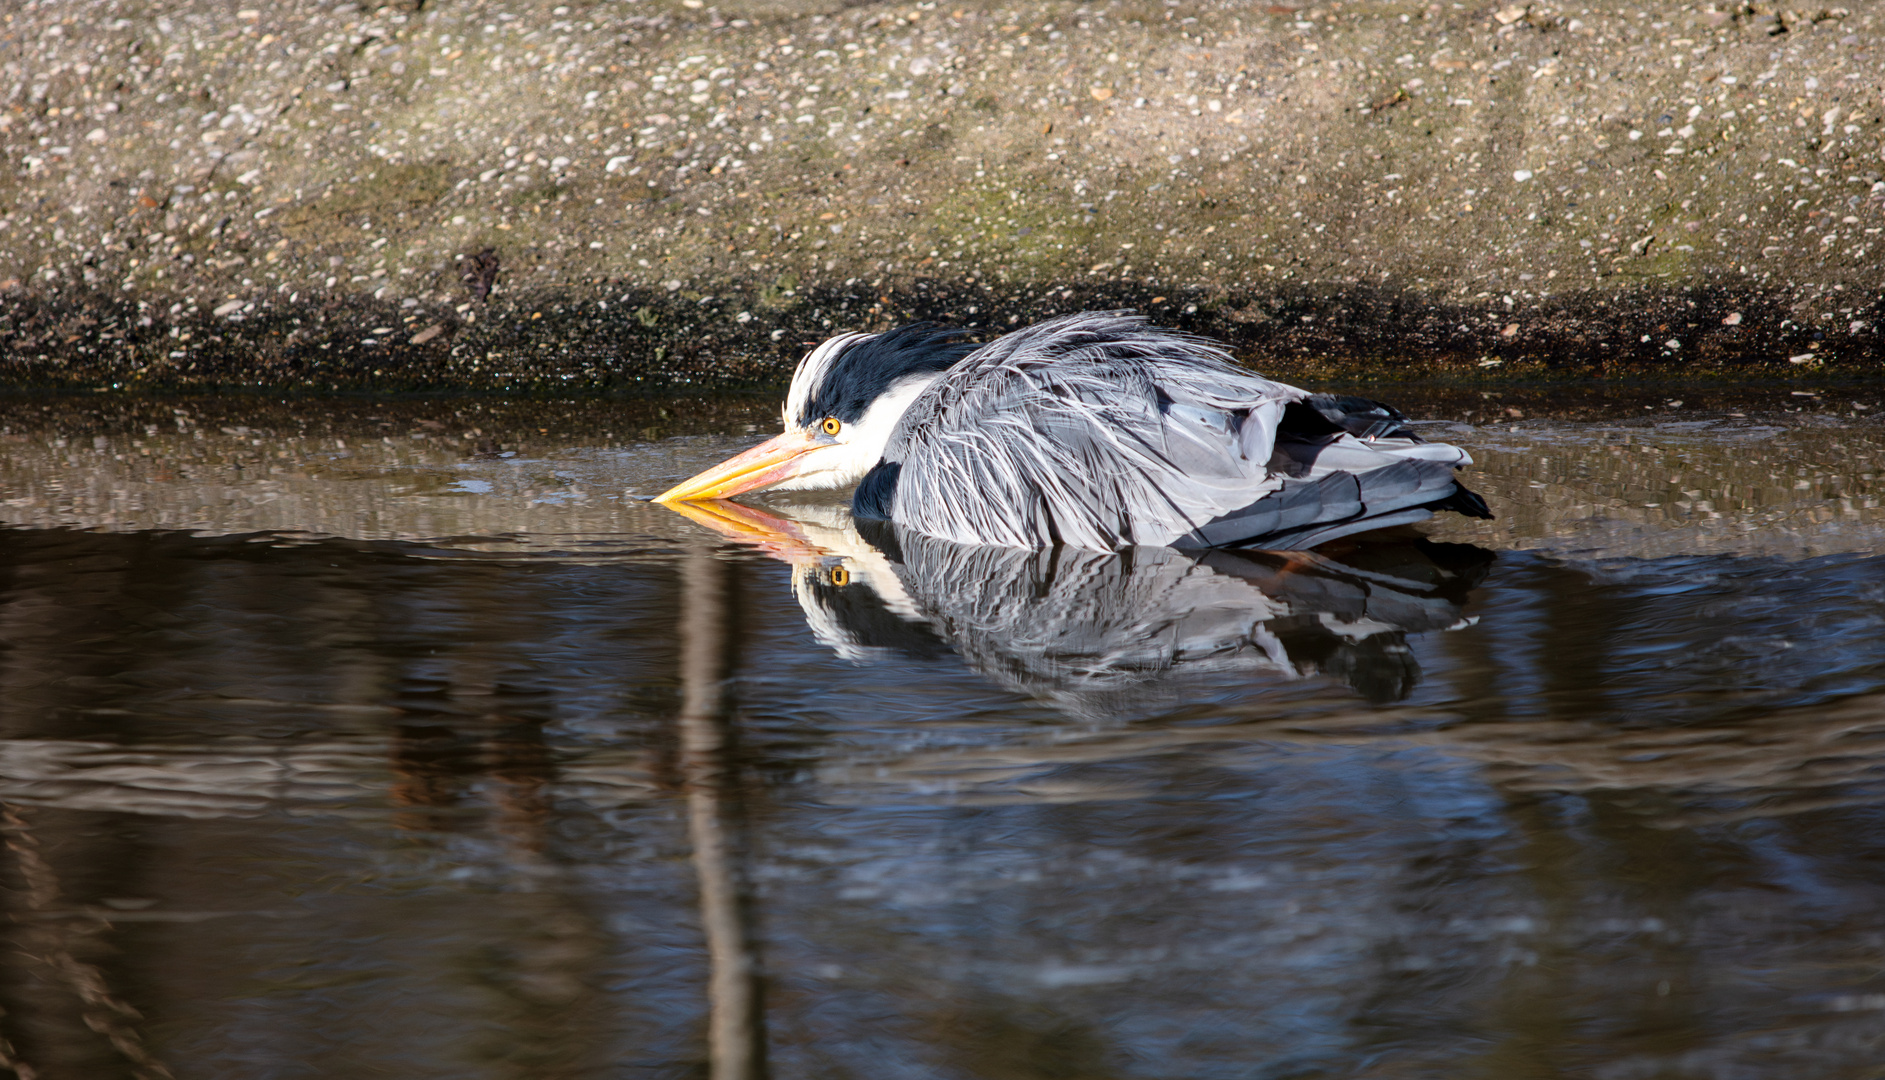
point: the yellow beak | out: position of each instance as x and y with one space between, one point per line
769 463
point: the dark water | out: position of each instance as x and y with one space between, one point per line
342 740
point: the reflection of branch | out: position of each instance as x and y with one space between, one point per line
56 943
735 1038
11 1062
25 848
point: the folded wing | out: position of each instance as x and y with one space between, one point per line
1100 432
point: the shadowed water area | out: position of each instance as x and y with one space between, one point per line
357 738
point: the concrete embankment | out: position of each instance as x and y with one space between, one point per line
630 193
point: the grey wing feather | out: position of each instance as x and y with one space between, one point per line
1099 431
1093 430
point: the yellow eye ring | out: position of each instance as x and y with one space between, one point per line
831 425
840 576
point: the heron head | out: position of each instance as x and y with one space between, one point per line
846 398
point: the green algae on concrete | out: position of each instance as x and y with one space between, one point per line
205 192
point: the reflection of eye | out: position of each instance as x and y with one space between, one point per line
840 576
831 425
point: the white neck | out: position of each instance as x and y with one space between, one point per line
873 430
861 446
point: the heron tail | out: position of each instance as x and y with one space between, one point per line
1307 512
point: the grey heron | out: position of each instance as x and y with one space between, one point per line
1096 431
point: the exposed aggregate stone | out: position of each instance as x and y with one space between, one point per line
631 193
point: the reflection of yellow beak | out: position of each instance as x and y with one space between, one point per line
770 462
774 535
738 522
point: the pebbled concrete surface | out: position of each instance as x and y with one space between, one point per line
638 193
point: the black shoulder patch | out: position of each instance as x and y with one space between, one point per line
862 372
876 494
1361 417
1304 419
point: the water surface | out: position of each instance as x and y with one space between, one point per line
396 739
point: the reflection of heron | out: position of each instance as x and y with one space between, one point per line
1094 431
1105 633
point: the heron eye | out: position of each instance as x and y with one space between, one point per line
840 576
831 425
